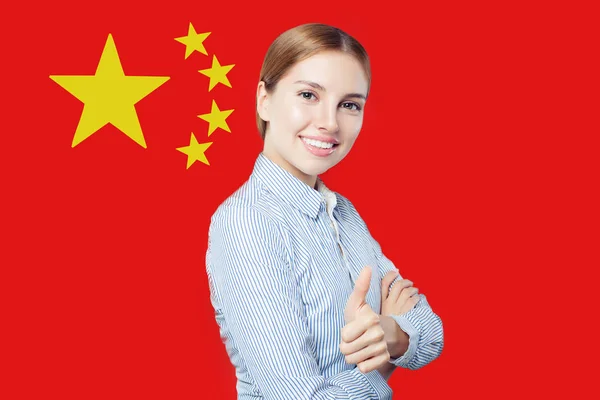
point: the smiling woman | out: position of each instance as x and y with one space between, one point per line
300 315
313 88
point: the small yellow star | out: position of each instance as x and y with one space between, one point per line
195 151
109 96
217 73
193 41
216 118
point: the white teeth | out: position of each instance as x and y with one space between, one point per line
318 143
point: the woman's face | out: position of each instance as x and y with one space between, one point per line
320 98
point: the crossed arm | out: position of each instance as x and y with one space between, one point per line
421 327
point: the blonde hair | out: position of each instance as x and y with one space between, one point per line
299 43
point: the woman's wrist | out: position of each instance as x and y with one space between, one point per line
386 370
396 339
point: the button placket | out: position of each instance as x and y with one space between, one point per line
327 200
340 247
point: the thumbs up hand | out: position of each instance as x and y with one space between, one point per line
363 341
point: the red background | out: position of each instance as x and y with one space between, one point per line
476 170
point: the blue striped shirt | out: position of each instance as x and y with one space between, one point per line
281 262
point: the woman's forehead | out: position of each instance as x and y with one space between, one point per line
333 70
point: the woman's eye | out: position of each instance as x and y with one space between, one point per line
350 105
307 95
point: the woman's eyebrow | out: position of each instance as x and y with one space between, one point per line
320 87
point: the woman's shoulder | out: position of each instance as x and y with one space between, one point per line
245 218
248 206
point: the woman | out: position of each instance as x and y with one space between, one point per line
296 280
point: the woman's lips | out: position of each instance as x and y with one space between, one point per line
317 151
322 139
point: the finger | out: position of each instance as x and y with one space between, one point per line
363 281
372 350
373 363
408 293
372 336
397 289
356 304
359 326
413 301
386 282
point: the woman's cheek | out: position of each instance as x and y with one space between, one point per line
299 117
350 127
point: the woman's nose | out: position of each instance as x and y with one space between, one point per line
327 118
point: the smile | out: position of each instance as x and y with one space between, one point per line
318 143
318 148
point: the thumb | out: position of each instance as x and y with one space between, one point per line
361 287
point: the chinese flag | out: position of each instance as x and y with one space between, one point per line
126 125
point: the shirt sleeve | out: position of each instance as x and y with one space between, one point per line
250 269
423 327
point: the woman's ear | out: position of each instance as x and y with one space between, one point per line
262 101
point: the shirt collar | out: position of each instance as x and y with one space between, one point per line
328 195
291 189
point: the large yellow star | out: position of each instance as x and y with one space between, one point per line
109 96
216 118
193 41
195 151
217 73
